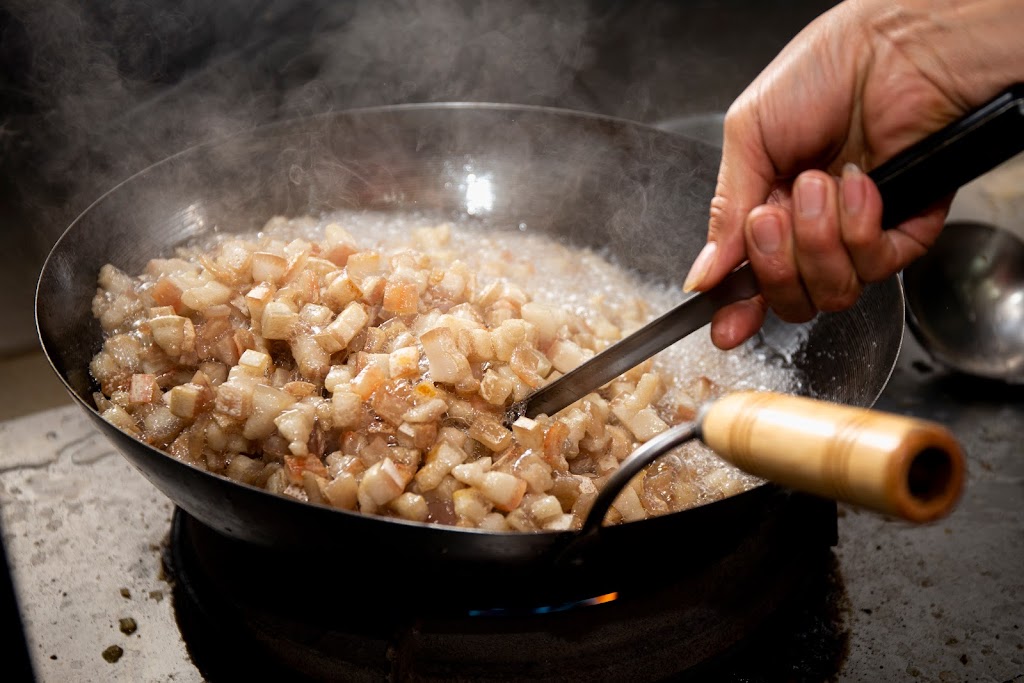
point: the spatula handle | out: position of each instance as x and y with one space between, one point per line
937 166
891 464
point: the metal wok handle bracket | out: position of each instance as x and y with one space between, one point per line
887 463
574 552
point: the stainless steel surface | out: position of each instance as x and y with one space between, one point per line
688 317
965 300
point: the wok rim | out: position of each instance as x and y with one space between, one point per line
765 487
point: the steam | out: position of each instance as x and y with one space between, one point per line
117 85
123 84
126 84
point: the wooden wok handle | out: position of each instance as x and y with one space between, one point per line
888 463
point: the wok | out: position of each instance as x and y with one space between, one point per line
637 193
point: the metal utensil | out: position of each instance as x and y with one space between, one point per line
655 336
892 464
965 301
910 182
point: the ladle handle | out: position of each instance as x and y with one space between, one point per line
891 464
934 168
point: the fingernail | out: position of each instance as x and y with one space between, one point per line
853 189
700 267
810 196
767 233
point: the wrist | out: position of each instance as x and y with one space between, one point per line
971 49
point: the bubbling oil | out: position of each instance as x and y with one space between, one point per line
592 286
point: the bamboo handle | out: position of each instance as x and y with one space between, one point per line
888 463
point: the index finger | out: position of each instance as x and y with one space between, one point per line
746 176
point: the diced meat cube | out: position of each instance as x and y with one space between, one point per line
313 361
174 334
411 506
296 425
297 466
447 364
186 400
342 491
545 508
471 506
363 264
401 298
503 489
342 291
257 299
234 399
384 481
256 362
528 433
279 320
566 355
267 267
209 294
348 411
629 506
547 319
646 424
428 411
119 417
267 405
439 463
367 381
494 388
490 433
338 376
472 473
404 362
144 389
345 327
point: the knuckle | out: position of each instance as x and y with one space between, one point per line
775 273
790 302
719 216
794 313
817 240
838 298
861 240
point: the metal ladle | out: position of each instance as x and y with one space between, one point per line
965 301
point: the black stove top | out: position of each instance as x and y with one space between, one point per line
245 609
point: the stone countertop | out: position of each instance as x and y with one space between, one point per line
944 602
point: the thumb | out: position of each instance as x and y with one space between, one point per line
746 177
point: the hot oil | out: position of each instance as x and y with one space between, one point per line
592 286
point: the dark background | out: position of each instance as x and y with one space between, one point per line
92 92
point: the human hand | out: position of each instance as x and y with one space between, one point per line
858 85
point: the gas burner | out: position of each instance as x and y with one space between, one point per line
244 609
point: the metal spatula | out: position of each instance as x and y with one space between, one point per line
909 183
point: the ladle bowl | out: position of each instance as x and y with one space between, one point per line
965 301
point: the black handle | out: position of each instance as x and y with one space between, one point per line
934 168
909 183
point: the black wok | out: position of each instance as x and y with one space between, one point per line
639 193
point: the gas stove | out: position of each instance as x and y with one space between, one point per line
111 587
